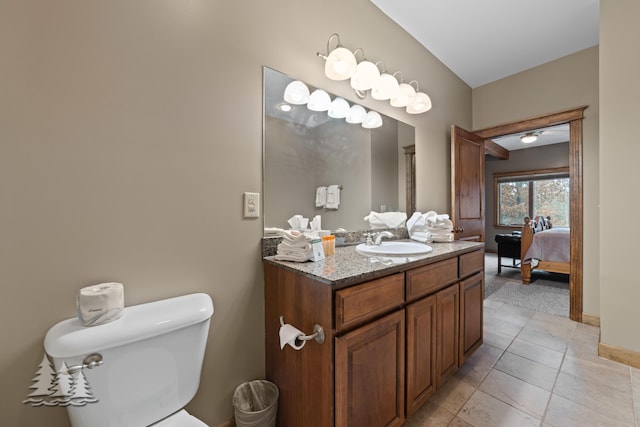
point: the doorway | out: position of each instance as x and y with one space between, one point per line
574 118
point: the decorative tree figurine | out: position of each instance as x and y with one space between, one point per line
62 388
51 388
42 382
81 391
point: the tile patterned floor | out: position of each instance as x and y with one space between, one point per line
535 369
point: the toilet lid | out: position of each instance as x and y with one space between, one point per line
180 419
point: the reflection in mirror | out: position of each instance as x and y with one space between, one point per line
305 149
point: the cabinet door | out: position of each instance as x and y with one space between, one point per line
471 309
369 375
447 329
421 352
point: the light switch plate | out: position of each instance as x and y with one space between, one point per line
251 205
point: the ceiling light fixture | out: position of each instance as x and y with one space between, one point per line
529 137
341 64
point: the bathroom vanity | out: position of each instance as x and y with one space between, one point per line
394 332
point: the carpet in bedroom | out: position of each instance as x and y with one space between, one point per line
548 292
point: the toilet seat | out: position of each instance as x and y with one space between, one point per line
180 419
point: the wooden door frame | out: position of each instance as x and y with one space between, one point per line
574 118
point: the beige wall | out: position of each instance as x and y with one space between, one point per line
559 85
619 173
128 133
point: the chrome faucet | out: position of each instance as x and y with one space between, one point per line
377 238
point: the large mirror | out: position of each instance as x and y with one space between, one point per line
304 150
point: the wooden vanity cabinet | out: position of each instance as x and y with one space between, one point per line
390 342
370 374
471 269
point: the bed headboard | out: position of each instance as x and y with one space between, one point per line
539 223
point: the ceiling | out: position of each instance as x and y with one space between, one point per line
485 40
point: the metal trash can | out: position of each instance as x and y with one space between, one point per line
256 404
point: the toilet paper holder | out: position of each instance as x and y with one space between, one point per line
318 333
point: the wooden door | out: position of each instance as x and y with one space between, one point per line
369 375
421 352
471 304
447 328
467 185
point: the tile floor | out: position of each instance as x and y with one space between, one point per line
535 369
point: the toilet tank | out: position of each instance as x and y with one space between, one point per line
151 361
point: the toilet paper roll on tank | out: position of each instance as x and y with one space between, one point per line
101 303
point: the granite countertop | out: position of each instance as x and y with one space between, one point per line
348 266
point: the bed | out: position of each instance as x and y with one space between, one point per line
544 247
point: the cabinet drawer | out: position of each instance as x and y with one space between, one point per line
361 302
471 262
430 278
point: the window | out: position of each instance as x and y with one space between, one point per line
530 193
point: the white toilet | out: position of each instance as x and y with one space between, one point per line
142 368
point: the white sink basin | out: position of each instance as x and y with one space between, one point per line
395 248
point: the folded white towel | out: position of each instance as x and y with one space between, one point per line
421 236
333 197
295 246
386 219
303 246
321 197
442 237
294 256
273 231
293 236
436 221
430 226
417 222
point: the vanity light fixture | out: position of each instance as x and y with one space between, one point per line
341 62
296 93
372 120
529 137
338 109
356 115
385 87
404 95
319 100
365 76
420 103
